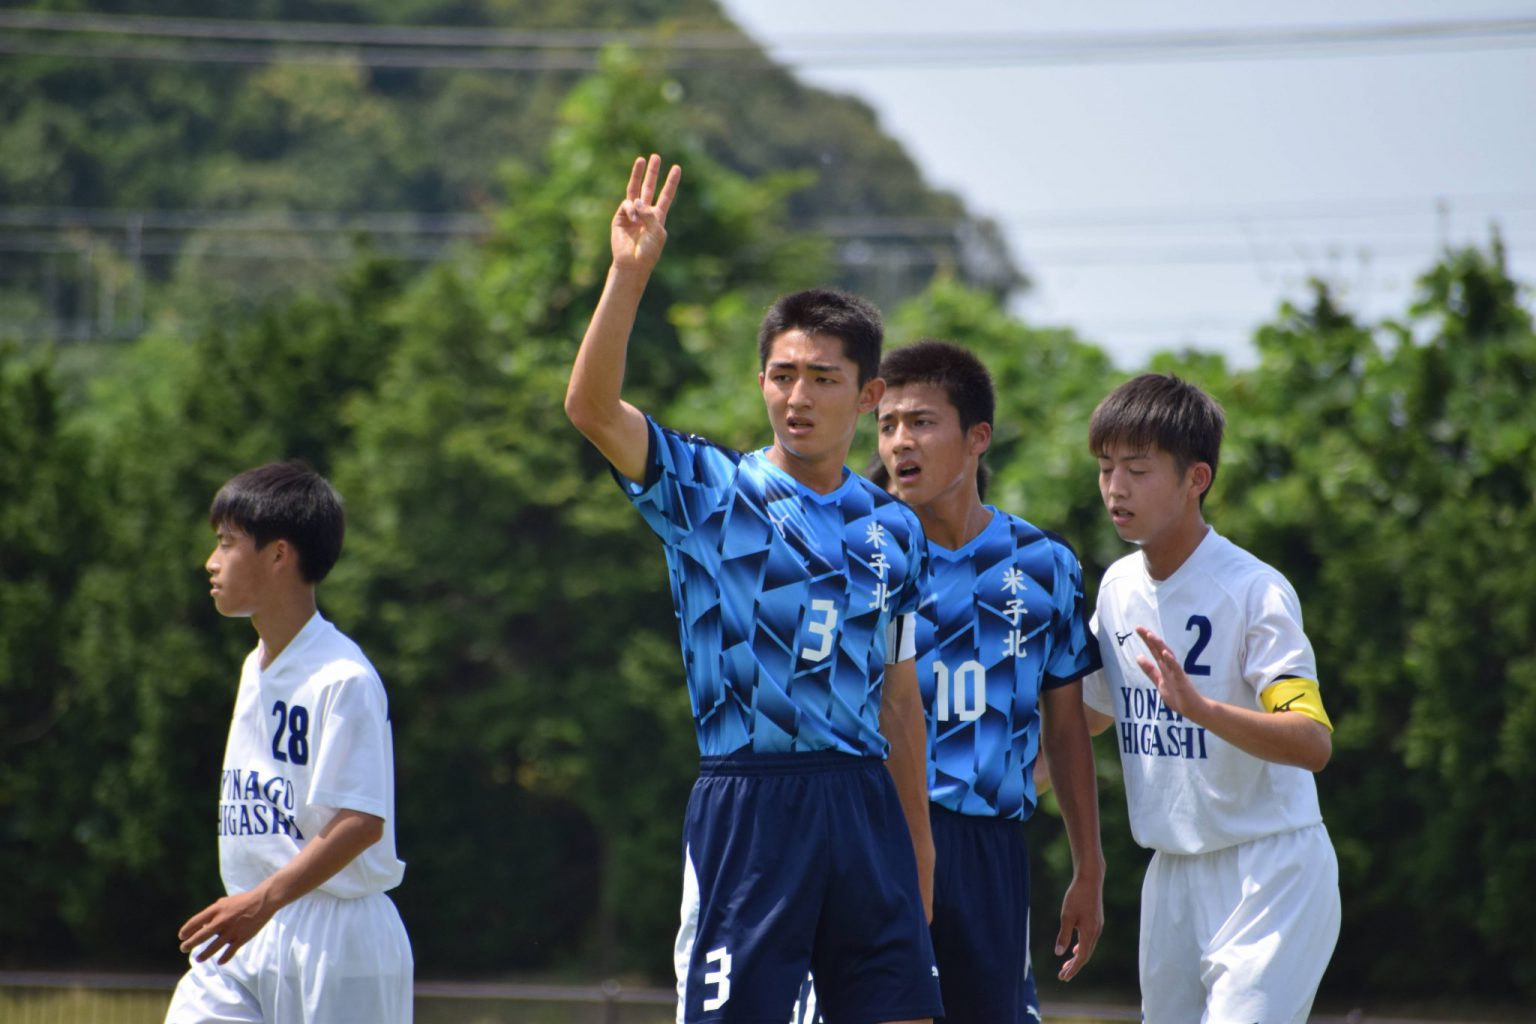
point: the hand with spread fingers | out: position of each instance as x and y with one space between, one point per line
1168 675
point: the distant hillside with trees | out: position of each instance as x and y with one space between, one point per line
211 155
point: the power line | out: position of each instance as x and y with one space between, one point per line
467 222
1273 210
207 40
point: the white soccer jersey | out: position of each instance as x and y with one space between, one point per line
310 736
1236 623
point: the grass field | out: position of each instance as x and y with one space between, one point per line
57 1003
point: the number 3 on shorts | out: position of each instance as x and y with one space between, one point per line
720 977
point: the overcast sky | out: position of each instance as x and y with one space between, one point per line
1171 197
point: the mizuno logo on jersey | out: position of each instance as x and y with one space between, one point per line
1121 638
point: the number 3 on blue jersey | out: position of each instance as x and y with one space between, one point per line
824 629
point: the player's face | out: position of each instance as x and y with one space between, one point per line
814 399
1146 496
236 573
922 446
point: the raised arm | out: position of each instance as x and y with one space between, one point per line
592 400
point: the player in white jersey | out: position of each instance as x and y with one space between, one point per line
1211 687
306 797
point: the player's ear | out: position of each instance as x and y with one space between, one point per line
282 556
1200 477
871 393
979 437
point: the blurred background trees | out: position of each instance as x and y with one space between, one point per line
513 602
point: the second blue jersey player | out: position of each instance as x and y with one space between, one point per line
1002 634
806 840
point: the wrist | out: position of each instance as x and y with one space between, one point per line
271 896
1088 866
1201 710
628 276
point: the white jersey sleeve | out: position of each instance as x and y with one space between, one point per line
352 763
1275 645
1096 693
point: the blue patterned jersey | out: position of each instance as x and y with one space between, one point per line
783 595
1001 619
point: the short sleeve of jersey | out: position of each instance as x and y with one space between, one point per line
1275 644
1096 683
352 742
1074 651
911 592
686 478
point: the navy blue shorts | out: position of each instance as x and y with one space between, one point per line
981 919
797 862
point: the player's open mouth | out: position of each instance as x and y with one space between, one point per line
796 425
1119 516
908 471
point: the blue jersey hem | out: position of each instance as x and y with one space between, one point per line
810 762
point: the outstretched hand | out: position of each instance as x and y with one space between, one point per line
1167 674
640 225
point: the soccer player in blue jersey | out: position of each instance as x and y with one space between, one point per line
806 840
1002 633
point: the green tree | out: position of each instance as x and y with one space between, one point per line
1388 472
50 525
291 138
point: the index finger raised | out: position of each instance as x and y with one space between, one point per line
636 176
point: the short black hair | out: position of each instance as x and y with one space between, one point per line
823 311
1163 410
285 501
944 364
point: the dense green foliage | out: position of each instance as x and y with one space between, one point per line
313 145
516 607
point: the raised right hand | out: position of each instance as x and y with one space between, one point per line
639 230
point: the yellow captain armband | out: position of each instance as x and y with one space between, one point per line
1293 694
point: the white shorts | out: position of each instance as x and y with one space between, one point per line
321 960
1239 935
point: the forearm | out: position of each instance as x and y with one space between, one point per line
597 379
1070 752
908 767
1283 737
344 837
593 398
905 729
